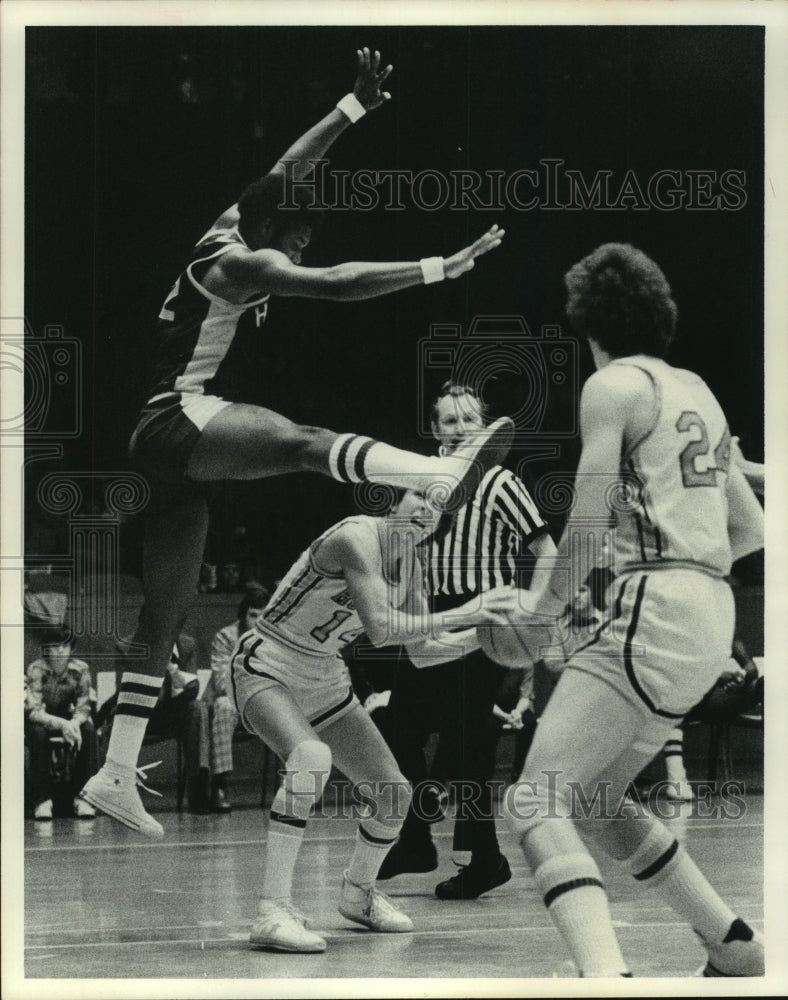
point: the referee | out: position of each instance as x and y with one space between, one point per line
483 549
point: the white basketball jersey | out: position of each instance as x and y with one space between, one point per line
311 610
679 513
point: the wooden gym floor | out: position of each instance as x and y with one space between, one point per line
103 903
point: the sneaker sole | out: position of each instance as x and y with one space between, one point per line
276 946
126 818
491 453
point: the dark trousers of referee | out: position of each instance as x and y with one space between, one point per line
454 700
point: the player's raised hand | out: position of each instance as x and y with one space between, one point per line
370 78
464 260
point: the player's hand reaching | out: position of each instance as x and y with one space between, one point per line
496 605
464 260
369 80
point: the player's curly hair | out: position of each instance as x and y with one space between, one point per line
263 200
619 298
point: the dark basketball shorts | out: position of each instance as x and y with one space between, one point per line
167 431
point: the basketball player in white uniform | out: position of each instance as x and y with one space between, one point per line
682 515
292 689
203 423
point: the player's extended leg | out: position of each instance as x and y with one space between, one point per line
587 781
250 442
176 527
658 863
586 726
362 754
274 716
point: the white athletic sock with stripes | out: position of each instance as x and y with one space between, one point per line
354 458
285 834
573 893
302 788
373 842
662 864
673 751
137 698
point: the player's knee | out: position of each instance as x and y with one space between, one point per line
308 768
301 441
528 803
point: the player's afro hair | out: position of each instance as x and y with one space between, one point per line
265 198
618 297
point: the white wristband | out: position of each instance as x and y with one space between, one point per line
351 106
432 269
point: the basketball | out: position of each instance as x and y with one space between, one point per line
518 644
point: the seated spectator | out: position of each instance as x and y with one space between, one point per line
180 714
217 696
57 719
208 580
580 620
229 578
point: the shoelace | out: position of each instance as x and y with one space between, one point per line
376 894
289 907
142 777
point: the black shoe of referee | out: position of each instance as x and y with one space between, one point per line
421 856
475 879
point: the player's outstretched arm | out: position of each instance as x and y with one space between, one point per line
390 618
270 271
298 160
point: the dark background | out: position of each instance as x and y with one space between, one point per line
137 138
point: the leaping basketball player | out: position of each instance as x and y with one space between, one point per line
196 428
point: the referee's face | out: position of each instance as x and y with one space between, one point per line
455 418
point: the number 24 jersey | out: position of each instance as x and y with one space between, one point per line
676 511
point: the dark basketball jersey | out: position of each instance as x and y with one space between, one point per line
205 344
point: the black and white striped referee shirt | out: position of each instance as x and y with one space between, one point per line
482 548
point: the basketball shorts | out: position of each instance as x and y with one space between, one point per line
320 685
167 431
667 639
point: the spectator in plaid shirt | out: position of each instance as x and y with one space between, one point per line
57 704
224 718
